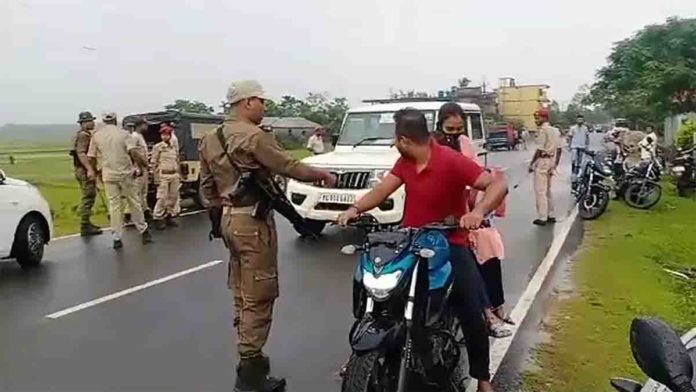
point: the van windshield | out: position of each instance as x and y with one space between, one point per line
374 128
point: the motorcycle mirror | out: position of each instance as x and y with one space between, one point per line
660 353
349 250
426 253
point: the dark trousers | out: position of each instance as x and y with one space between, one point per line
467 302
492 274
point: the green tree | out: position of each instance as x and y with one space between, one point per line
651 74
189 106
685 135
317 107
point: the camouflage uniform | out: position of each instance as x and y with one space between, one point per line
88 186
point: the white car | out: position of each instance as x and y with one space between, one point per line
364 153
26 219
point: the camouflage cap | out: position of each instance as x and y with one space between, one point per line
108 116
244 89
84 117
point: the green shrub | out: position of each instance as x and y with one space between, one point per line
685 135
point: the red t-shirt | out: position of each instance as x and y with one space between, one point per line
438 190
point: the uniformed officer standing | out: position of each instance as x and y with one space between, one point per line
544 164
174 141
251 239
85 175
165 167
141 181
118 151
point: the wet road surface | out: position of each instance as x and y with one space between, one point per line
177 334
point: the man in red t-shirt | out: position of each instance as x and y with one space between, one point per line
436 178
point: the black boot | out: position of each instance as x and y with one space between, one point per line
252 376
171 222
88 229
160 224
148 216
147 237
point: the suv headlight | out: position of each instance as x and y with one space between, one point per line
377 176
380 287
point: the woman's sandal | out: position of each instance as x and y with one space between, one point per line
498 330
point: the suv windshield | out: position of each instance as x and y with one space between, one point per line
374 128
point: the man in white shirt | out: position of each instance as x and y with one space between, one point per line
579 142
315 144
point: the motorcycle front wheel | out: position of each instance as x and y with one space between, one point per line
643 194
593 203
367 373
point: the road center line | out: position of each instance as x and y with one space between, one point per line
131 290
500 347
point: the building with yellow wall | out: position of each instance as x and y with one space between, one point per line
519 102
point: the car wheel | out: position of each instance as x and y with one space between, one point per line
29 242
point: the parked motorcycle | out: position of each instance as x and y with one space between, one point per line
590 189
642 184
683 170
405 336
668 360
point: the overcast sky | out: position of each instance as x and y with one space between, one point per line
148 53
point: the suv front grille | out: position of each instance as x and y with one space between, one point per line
353 180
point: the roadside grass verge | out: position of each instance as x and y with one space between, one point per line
619 274
52 173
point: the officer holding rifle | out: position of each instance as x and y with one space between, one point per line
235 154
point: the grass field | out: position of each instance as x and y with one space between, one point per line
620 274
50 169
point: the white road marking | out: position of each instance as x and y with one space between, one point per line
500 347
105 229
131 290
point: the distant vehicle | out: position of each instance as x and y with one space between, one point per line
363 155
26 219
498 140
189 129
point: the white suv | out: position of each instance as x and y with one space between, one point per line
364 154
26 222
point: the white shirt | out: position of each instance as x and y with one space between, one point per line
316 144
580 136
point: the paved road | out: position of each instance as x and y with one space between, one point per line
177 335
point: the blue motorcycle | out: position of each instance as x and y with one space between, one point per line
405 336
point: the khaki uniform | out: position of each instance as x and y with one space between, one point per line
165 167
88 187
142 181
112 144
175 143
253 245
549 141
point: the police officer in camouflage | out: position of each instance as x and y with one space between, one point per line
251 238
84 173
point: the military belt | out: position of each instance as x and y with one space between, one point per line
230 210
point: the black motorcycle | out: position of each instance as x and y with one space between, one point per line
683 171
590 189
405 336
663 356
641 184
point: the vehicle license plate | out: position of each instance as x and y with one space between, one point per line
341 198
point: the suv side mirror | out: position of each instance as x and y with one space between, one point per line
3 177
660 353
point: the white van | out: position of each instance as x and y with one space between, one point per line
364 153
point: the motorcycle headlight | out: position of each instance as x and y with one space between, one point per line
678 169
377 176
380 287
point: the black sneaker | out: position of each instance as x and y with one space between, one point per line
551 220
539 222
147 237
118 244
252 376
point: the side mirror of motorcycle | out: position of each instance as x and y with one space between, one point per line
426 253
349 250
660 353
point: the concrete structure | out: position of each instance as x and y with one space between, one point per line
297 128
521 101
